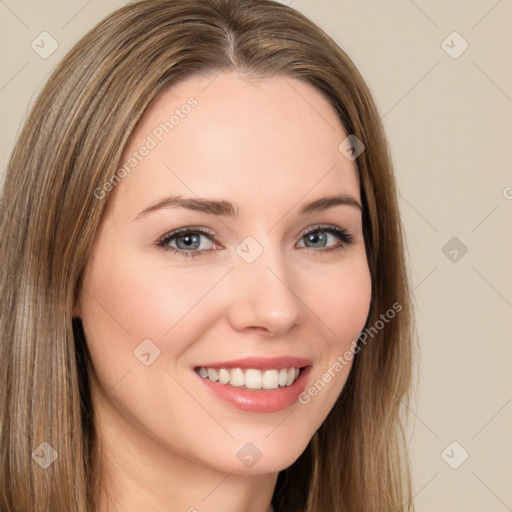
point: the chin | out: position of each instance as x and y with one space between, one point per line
264 455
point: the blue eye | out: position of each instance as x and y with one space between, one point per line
188 240
317 236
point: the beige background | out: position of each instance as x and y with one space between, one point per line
449 121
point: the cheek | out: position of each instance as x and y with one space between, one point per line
350 311
341 301
126 301
342 310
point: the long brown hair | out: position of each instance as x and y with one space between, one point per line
71 144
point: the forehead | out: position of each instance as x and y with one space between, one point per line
230 136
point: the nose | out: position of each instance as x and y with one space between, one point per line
263 296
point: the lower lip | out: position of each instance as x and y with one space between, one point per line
259 400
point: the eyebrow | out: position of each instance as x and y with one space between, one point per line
228 209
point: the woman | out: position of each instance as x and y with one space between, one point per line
204 298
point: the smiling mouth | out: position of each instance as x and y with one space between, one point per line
251 378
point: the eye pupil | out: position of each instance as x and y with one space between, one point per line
189 241
317 237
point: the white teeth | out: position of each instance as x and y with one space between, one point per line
223 376
251 378
236 377
213 375
270 379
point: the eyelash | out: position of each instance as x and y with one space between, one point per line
343 235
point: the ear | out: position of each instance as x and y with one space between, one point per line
77 309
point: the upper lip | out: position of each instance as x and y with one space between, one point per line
260 363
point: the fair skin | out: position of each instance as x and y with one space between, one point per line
168 443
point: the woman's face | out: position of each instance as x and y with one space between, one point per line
269 280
